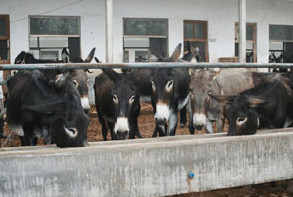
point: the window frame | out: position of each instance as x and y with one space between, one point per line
143 36
7 38
205 31
38 36
254 38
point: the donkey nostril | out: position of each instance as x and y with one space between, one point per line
161 120
122 134
198 127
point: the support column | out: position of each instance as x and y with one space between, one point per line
109 30
242 31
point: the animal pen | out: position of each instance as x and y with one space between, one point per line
148 167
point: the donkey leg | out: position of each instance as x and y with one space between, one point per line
183 118
173 119
137 130
155 133
191 127
209 126
104 126
134 130
28 138
111 126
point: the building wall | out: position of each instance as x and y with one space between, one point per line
91 13
221 16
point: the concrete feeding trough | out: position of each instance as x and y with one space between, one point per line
148 167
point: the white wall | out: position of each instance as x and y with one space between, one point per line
221 16
91 13
221 32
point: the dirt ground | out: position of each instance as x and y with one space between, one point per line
146 126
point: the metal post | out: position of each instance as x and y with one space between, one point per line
109 31
242 31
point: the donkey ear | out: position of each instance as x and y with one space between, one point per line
90 56
254 102
152 57
224 98
65 56
97 60
176 53
111 73
47 109
191 71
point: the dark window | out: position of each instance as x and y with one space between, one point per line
4 38
50 34
199 30
74 48
143 36
281 43
4 49
145 27
281 32
250 42
196 33
54 25
3 26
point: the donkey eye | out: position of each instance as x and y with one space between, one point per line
115 98
131 99
241 120
169 85
75 83
153 85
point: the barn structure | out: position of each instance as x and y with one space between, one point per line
134 29
139 27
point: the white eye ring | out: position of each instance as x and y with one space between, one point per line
240 121
153 85
131 99
115 98
169 85
75 83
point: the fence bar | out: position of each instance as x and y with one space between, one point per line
142 65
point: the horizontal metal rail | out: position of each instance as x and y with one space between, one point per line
141 65
3 82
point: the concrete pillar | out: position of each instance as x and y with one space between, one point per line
242 31
109 31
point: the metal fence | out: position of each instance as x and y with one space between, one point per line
142 65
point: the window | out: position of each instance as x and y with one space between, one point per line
4 39
196 33
144 36
50 34
281 43
250 41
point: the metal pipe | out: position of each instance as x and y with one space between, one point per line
3 82
142 65
242 31
109 31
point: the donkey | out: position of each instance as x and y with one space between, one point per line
117 103
259 107
170 93
78 76
202 110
